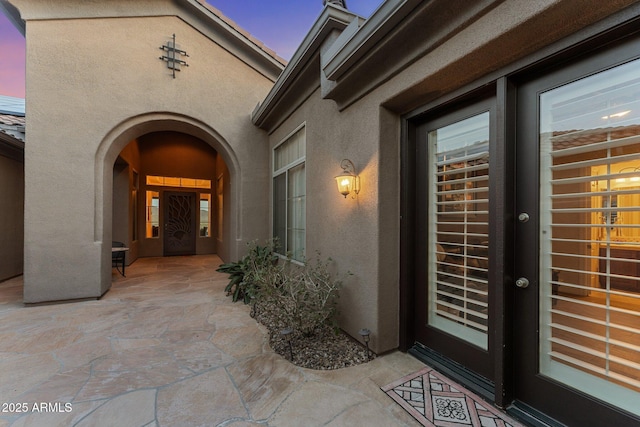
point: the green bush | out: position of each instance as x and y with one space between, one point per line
245 276
304 297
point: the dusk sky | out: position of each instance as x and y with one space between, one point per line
279 24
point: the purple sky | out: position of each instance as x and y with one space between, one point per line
280 24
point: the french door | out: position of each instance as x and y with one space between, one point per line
577 309
452 291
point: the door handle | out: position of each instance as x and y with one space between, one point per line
522 282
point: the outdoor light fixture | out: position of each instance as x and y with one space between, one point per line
286 334
365 334
348 181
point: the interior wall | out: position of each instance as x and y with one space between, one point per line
120 203
223 237
123 227
11 217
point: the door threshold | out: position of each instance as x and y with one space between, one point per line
474 382
533 417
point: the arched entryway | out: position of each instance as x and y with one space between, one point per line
149 165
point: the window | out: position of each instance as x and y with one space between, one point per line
205 215
220 194
134 206
153 215
459 228
590 239
167 181
289 195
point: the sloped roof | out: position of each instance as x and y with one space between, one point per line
11 105
12 119
14 126
259 44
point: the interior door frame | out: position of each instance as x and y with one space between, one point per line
533 392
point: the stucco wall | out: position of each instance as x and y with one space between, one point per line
352 231
363 235
93 85
11 217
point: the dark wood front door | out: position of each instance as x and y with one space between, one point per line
576 327
179 223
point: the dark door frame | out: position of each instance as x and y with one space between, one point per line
611 29
490 381
531 387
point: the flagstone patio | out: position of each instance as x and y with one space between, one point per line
166 347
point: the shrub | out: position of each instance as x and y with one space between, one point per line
246 275
310 297
303 297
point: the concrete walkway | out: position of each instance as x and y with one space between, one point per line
166 347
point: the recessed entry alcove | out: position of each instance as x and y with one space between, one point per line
169 196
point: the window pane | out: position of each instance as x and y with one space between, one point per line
167 181
153 214
280 211
590 235
205 215
290 151
296 212
459 229
220 193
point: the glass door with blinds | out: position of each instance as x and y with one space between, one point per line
458 229
584 347
452 239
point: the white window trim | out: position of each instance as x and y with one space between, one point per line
284 169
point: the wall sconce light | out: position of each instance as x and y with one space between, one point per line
366 337
348 181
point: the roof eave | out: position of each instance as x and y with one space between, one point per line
331 18
383 20
13 15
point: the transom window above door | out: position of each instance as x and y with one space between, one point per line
168 181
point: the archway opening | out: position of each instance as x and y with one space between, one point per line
169 197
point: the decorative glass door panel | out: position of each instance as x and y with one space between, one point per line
589 289
179 223
458 229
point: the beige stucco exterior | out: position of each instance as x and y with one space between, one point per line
94 84
103 109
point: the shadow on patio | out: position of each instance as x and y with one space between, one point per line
166 347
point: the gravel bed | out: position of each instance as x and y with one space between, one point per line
325 350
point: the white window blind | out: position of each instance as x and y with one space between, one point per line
590 235
459 229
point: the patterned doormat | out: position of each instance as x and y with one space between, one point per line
434 400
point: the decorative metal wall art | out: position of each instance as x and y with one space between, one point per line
173 56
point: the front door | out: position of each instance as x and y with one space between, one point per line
577 309
452 290
179 223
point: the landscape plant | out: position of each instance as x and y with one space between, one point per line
301 296
247 274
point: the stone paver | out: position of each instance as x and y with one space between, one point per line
166 347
